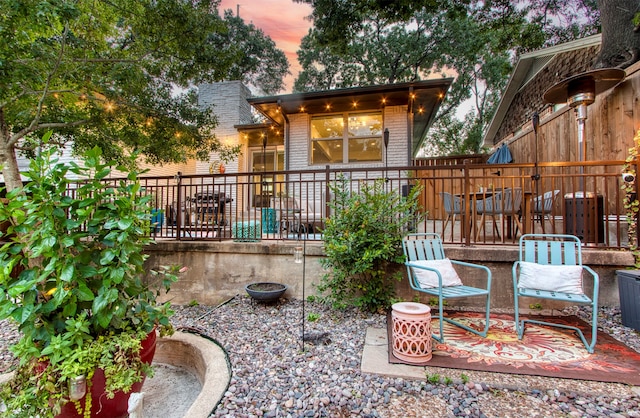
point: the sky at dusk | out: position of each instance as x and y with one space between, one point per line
282 20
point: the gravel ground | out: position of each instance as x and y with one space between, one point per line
273 377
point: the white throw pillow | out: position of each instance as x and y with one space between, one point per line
555 278
428 278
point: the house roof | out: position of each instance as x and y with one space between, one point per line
529 65
423 99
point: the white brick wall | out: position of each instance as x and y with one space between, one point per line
395 119
299 142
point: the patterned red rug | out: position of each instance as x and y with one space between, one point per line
543 351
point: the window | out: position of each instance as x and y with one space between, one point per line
263 185
349 137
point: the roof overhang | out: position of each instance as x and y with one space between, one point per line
258 132
422 98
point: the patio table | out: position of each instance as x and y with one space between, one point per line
471 198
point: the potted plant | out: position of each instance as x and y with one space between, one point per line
80 302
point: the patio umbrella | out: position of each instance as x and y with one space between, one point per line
501 156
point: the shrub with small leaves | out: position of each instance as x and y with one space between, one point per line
363 243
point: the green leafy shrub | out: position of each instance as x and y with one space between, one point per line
363 243
71 277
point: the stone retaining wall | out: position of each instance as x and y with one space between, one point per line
220 270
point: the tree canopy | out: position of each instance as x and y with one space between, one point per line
366 42
121 74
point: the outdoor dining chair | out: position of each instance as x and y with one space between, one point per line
431 272
501 204
542 207
550 267
453 205
288 214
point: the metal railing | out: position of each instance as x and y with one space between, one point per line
584 199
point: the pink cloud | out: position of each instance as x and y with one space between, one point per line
282 20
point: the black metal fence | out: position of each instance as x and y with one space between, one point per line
468 203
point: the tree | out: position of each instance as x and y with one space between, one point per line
620 33
107 73
472 42
381 53
338 22
475 41
258 62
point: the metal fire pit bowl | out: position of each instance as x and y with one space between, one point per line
266 291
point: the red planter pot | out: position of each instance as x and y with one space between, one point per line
117 407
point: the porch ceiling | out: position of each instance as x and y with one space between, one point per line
423 99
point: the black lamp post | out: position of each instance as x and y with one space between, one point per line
385 137
264 167
265 137
535 121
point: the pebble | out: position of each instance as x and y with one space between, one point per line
274 376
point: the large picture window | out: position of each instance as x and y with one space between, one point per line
348 137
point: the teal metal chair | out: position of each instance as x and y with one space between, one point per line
428 246
554 261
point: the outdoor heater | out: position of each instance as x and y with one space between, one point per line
578 92
581 90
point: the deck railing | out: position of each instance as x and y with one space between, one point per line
582 199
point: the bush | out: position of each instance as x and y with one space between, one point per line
363 243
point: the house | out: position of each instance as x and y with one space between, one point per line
341 127
307 131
